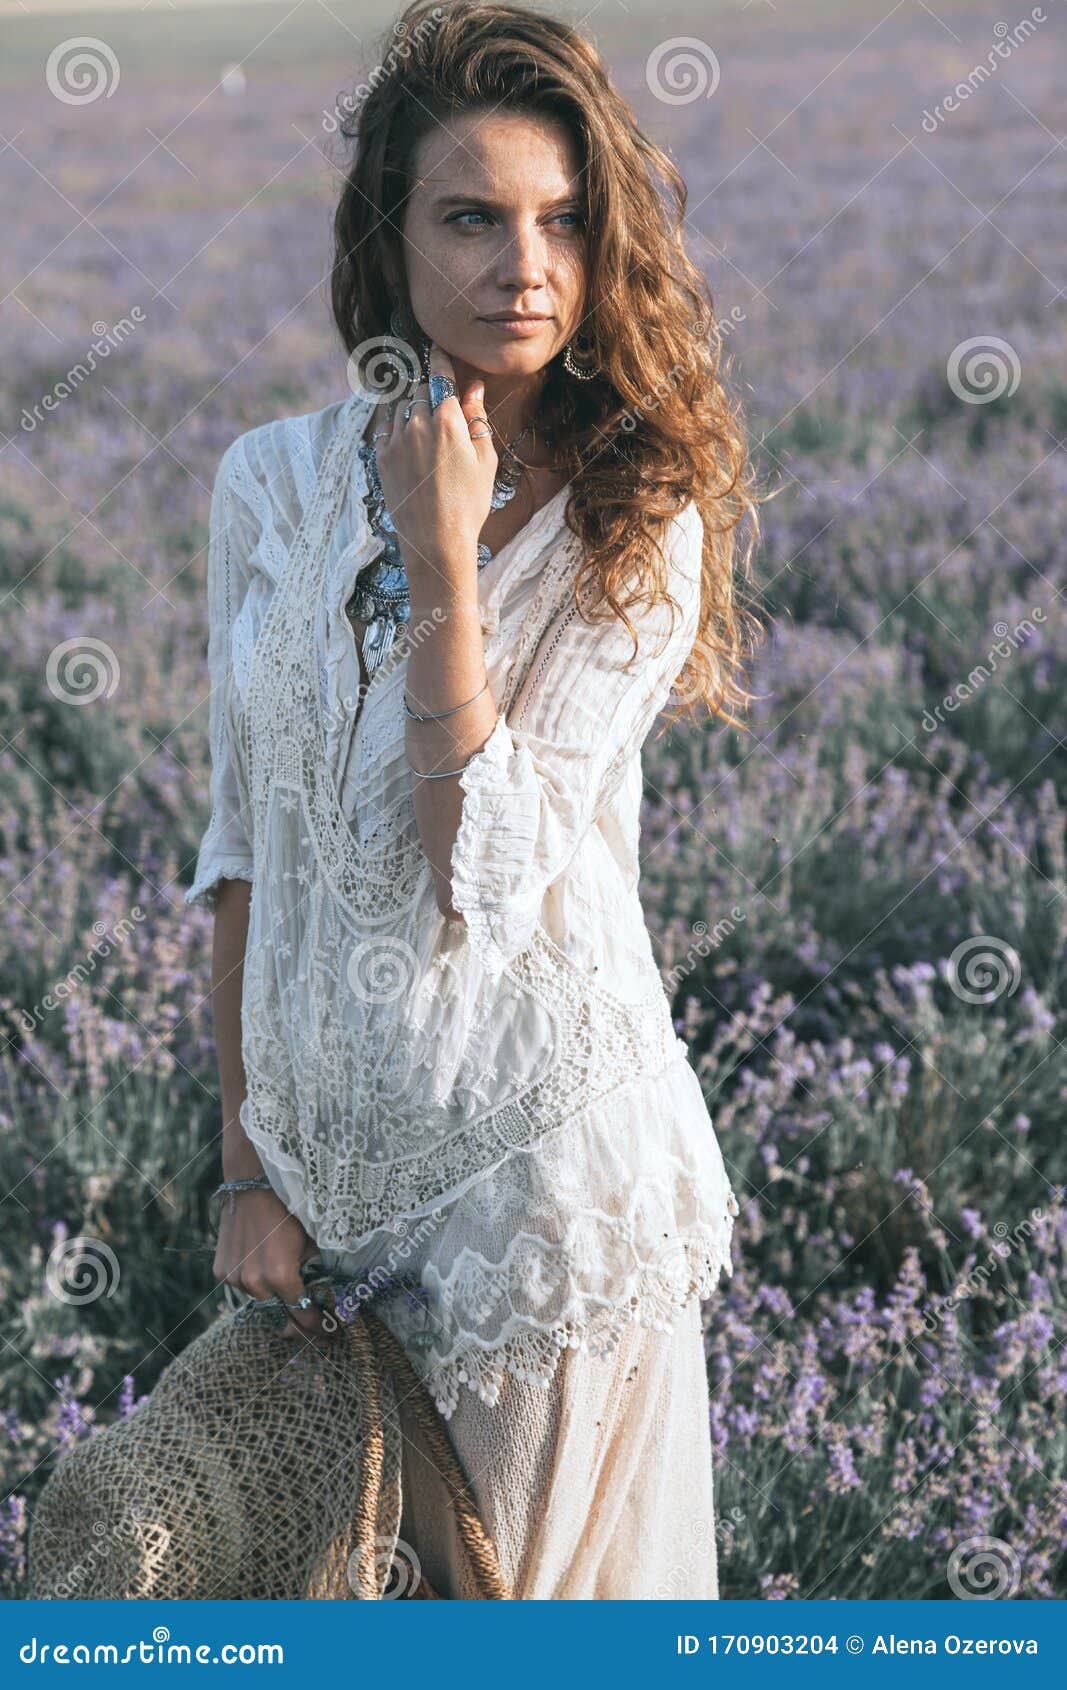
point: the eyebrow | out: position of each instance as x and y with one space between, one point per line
484 204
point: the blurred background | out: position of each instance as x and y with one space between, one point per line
859 904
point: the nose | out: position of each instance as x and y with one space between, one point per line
522 265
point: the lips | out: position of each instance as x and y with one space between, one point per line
518 317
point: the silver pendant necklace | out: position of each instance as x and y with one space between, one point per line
380 594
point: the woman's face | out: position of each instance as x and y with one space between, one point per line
494 225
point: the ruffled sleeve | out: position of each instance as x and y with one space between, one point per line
548 768
226 846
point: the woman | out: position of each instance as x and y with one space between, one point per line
447 1061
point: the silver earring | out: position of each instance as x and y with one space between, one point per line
402 323
583 367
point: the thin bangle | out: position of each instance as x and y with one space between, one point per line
231 1188
437 715
444 772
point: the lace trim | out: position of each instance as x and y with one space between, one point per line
529 1349
204 890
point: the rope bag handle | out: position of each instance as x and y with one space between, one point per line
380 1351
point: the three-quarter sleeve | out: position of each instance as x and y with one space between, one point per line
226 846
551 764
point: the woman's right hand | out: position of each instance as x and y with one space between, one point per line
261 1248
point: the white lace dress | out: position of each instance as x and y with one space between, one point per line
498 1109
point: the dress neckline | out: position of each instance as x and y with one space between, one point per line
533 525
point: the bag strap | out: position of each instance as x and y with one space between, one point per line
381 1350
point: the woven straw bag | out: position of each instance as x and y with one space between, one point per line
255 1469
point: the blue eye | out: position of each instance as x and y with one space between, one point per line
457 215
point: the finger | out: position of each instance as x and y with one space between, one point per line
401 420
382 426
473 406
442 365
313 1259
306 1322
385 427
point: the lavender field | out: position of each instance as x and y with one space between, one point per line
859 906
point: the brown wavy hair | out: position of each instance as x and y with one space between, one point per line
655 428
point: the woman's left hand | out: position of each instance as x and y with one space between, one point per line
438 484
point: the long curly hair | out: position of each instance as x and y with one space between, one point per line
655 429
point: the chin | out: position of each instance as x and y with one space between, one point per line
508 359
503 365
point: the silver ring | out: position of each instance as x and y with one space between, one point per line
412 404
304 1302
382 434
482 434
441 388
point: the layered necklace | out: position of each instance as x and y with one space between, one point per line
380 594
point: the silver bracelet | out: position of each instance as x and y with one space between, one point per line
231 1187
444 772
437 715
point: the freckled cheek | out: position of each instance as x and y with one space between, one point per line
453 300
